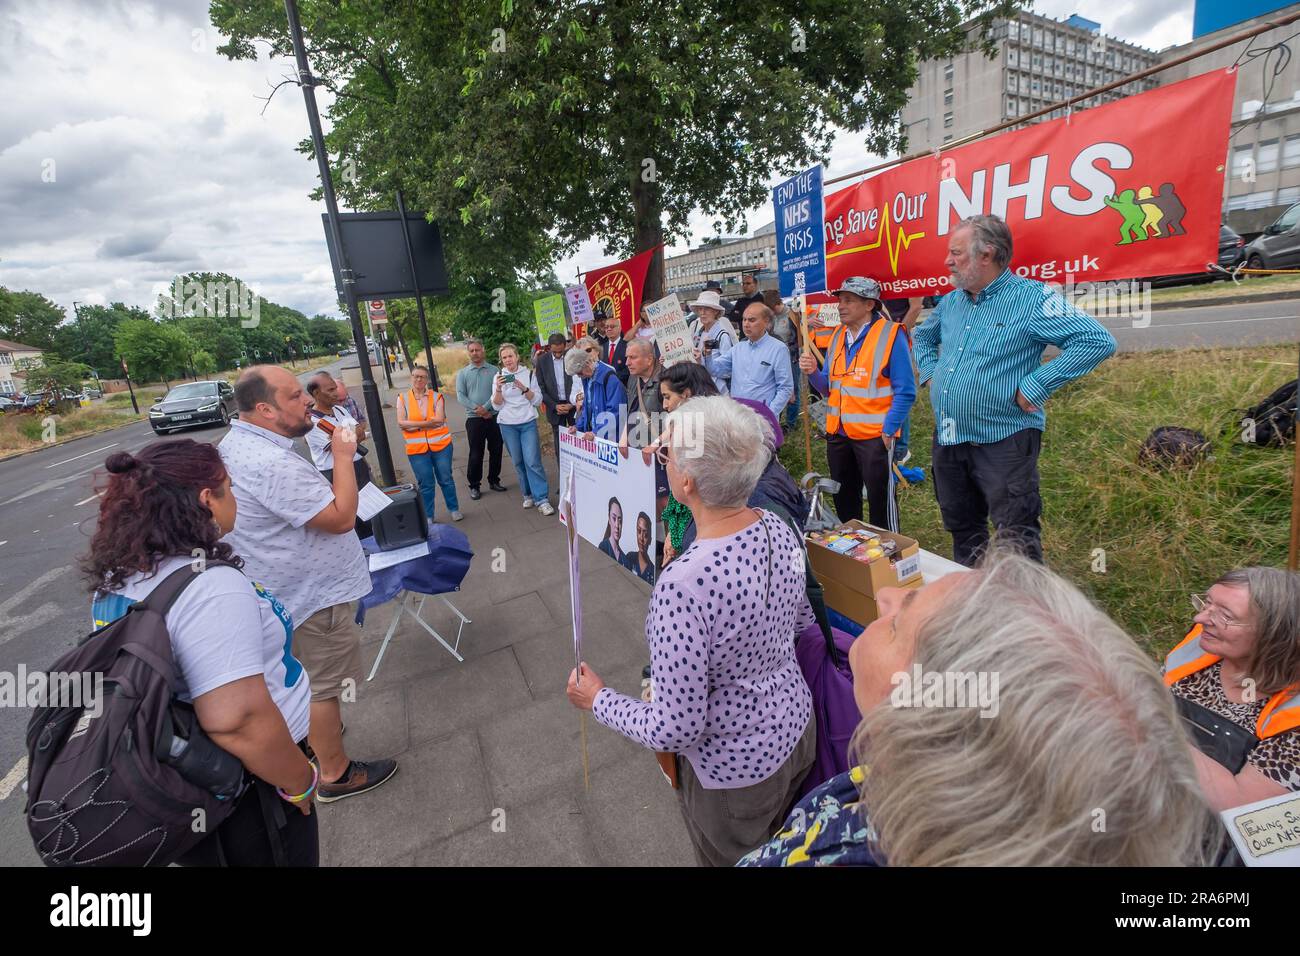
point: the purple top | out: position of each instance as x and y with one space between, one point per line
729 695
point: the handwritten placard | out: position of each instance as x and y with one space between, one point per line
550 316
1267 832
579 303
671 330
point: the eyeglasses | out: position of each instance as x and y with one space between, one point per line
1202 603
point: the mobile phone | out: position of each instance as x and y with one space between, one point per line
507 379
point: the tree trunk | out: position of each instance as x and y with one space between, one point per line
648 233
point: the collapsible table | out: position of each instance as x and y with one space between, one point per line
437 573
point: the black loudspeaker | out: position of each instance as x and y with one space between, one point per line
403 523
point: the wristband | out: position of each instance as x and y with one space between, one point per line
315 779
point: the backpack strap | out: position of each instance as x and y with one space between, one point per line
162 597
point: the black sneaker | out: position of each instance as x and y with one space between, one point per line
361 777
475 494
496 486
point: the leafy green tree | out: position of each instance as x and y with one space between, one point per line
29 318
328 335
51 373
513 121
89 336
153 350
203 362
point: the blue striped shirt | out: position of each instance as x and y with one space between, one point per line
759 371
993 346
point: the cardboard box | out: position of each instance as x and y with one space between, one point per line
867 579
854 605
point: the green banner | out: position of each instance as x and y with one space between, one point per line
550 316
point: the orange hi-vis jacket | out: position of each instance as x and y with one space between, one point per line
860 392
433 438
1280 714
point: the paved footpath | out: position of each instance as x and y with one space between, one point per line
490 753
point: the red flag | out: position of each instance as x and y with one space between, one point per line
1125 190
617 289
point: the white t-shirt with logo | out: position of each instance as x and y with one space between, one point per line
223 628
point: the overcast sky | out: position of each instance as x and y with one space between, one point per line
131 151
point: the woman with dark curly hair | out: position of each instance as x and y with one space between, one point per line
162 510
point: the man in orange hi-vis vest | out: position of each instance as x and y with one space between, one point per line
869 389
422 416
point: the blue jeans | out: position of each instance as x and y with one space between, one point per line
792 410
426 466
526 453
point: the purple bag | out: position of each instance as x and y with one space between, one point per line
826 669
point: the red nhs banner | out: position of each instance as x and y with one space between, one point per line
1126 190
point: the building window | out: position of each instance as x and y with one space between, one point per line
1291 152
947 121
948 74
1011 106
1267 162
1013 29
1289 195
1257 200
947 97
948 138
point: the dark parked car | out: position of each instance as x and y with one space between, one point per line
1278 246
1232 248
7 404
194 403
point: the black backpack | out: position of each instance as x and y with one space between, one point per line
138 783
1273 418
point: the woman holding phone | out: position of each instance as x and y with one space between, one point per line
515 397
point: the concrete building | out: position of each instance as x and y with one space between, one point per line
1264 150
1039 61
724 260
13 356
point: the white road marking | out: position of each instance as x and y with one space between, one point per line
3 543
86 455
91 498
13 778
12 626
47 485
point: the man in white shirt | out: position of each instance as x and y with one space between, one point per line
328 406
294 531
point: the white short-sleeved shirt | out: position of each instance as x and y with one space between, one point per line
318 440
223 628
278 492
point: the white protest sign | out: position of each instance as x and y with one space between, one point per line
671 330
579 304
1266 832
614 498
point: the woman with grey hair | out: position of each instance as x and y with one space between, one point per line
1007 721
600 398
732 706
1236 680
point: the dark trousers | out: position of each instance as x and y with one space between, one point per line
480 432
724 825
854 463
975 483
564 422
263 830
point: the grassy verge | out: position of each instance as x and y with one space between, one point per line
1162 535
26 431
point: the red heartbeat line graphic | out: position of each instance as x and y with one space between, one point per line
883 234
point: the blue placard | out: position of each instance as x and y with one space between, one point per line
800 238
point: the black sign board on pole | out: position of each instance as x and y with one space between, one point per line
376 252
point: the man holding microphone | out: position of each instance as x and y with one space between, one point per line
294 530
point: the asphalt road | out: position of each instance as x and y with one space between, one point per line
47 514
48 507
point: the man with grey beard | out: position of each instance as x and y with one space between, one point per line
981 351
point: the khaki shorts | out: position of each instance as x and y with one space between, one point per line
328 645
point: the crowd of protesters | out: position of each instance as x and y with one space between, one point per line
1083 719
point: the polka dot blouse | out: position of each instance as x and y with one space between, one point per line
729 695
